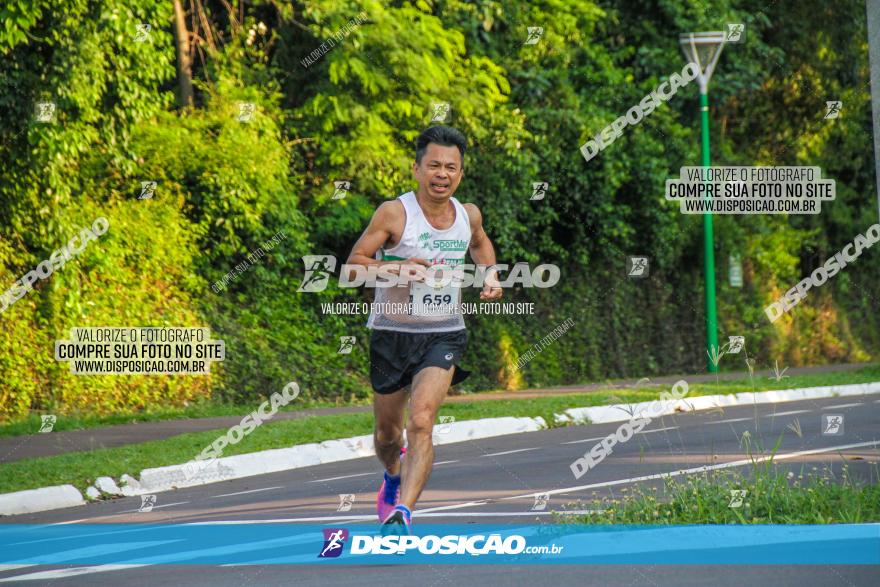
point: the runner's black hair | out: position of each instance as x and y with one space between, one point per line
445 136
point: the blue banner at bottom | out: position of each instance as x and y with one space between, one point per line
355 544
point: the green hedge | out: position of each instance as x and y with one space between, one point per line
226 186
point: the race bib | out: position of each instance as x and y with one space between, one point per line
434 297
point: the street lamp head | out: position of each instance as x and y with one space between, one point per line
704 50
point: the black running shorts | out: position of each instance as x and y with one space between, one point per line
396 357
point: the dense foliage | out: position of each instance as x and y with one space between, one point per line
224 186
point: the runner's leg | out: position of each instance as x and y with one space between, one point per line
429 388
388 409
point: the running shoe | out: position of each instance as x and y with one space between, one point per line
398 522
389 493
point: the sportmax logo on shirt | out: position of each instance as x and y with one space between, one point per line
450 245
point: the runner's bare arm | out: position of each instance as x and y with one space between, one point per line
483 253
386 225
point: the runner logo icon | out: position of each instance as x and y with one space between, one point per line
47 423
832 424
318 271
637 267
334 540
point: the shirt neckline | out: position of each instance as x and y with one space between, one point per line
428 222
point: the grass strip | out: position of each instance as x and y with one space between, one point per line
771 497
81 468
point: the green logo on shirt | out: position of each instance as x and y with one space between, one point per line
450 245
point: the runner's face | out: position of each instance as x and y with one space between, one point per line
440 171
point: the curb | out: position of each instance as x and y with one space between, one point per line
623 412
307 455
40 500
160 479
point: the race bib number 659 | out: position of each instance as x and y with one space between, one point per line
434 297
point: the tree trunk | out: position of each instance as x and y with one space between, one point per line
184 67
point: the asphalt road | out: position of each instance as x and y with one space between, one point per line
495 481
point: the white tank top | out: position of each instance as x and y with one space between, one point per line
438 247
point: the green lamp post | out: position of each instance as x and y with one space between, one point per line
704 50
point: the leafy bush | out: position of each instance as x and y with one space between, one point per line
225 187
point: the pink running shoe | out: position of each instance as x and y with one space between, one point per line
389 493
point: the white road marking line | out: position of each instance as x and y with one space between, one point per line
342 477
584 440
429 513
729 420
13 567
244 492
70 522
155 507
364 474
840 406
790 413
456 506
509 452
280 520
500 514
70 572
658 430
703 469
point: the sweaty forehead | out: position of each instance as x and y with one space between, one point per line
441 154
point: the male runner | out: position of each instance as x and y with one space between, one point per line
417 348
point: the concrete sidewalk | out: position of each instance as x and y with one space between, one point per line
15 448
